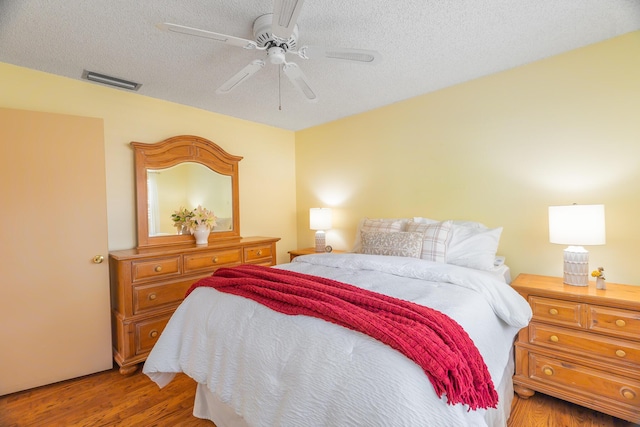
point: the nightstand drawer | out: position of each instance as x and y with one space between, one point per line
155 268
612 321
212 260
151 296
583 380
556 311
584 343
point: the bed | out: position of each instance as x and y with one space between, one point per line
257 367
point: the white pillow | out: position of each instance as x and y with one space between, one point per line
435 238
222 224
399 243
382 224
472 246
422 220
454 222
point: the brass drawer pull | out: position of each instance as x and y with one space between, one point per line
152 296
259 253
153 333
621 353
215 259
627 393
554 338
158 269
547 371
553 311
621 323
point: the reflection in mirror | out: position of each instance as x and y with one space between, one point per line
187 185
160 176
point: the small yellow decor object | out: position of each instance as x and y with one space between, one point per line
600 279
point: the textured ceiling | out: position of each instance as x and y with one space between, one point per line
426 45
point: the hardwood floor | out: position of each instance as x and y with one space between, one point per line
110 399
546 411
104 399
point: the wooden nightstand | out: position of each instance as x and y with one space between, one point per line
308 251
582 345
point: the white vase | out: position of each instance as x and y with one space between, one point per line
201 234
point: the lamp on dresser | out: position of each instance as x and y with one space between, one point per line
577 225
320 220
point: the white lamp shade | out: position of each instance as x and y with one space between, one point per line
320 218
577 225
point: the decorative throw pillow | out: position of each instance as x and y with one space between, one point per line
435 238
382 225
399 243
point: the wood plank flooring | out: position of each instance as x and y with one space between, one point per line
110 399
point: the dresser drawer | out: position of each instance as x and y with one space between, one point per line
212 260
147 332
258 254
584 343
612 321
155 268
151 296
583 380
556 311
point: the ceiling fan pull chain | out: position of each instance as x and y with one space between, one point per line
279 92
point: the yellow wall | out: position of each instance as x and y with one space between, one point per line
498 150
267 172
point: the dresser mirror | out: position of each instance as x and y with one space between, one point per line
183 172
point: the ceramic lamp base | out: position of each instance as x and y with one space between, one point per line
576 266
321 241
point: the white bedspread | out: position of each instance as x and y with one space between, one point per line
279 370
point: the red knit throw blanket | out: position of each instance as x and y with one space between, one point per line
431 339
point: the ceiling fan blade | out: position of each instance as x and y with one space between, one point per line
362 56
294 73
285 16
223 38
241 76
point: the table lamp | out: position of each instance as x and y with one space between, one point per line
577 225
320 220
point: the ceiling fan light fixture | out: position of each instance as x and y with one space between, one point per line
276 55
110 81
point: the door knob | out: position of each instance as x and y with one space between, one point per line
98 259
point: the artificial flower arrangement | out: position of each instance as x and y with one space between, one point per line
181 217
191 219
600 280
201 216
598 274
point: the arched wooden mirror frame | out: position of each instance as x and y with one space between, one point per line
171 152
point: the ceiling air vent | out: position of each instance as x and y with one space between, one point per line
111 81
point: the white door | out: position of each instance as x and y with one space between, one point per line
54 299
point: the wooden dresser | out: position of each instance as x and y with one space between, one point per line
582 345
147 285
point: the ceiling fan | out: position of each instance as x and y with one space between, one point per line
277 34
